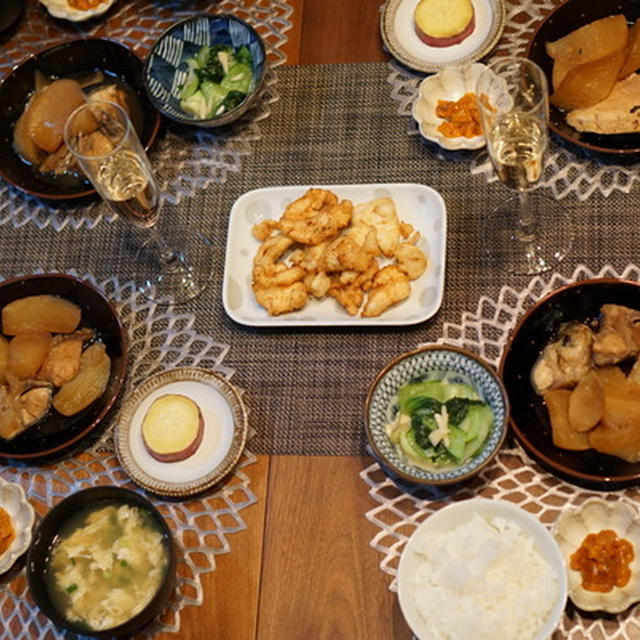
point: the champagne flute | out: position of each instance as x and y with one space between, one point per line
529 233
105 144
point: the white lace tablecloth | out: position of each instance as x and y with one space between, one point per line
568 170
159 339
512 476
185 159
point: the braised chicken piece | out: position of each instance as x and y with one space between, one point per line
619 335
565 361
63 360
22 404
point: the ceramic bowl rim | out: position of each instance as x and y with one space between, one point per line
120 373
504 508
381 457
230 115
520 435
67 42
106 493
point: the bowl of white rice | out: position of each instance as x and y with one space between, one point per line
482 569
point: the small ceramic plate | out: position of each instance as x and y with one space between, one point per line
451 83
15 503
399 36
225 433
592 516
62 9
417 204
433 362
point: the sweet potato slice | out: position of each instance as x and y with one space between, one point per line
595 40
27 352
586 403
564 436
88 385
40 314
632 61
589 83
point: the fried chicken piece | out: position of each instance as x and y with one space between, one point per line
277 300
267 271
315 217
317 283
264 229
345 254
619 335
390 286
350 287
380 214
411 260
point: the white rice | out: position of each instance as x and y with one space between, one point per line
484 580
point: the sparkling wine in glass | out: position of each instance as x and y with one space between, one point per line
105 144
528 233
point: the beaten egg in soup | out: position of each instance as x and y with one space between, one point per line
108 564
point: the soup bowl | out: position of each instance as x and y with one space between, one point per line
63 518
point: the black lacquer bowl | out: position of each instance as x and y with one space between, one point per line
70 59
529 418
566 17
47 534
55 433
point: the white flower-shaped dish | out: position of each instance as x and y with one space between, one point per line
15 503
592 516
62 9
449 84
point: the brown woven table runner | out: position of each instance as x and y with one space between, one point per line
333 124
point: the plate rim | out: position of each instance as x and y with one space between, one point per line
347 320
396 50
231 396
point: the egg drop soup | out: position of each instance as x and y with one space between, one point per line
107 565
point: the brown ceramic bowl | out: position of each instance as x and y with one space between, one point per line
55 432
529 419
566 17
69 59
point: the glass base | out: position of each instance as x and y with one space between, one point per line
175 274
536 248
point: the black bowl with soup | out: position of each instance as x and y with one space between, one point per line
95 63
102 563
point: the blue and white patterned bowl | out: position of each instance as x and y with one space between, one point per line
166 68
434 362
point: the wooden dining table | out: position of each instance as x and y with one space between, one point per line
304 558
304 568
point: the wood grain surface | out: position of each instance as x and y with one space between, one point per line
304 569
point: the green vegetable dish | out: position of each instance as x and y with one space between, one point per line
218 80
439 424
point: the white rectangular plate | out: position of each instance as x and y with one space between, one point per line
417 204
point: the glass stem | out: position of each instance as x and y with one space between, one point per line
526 223
168 256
